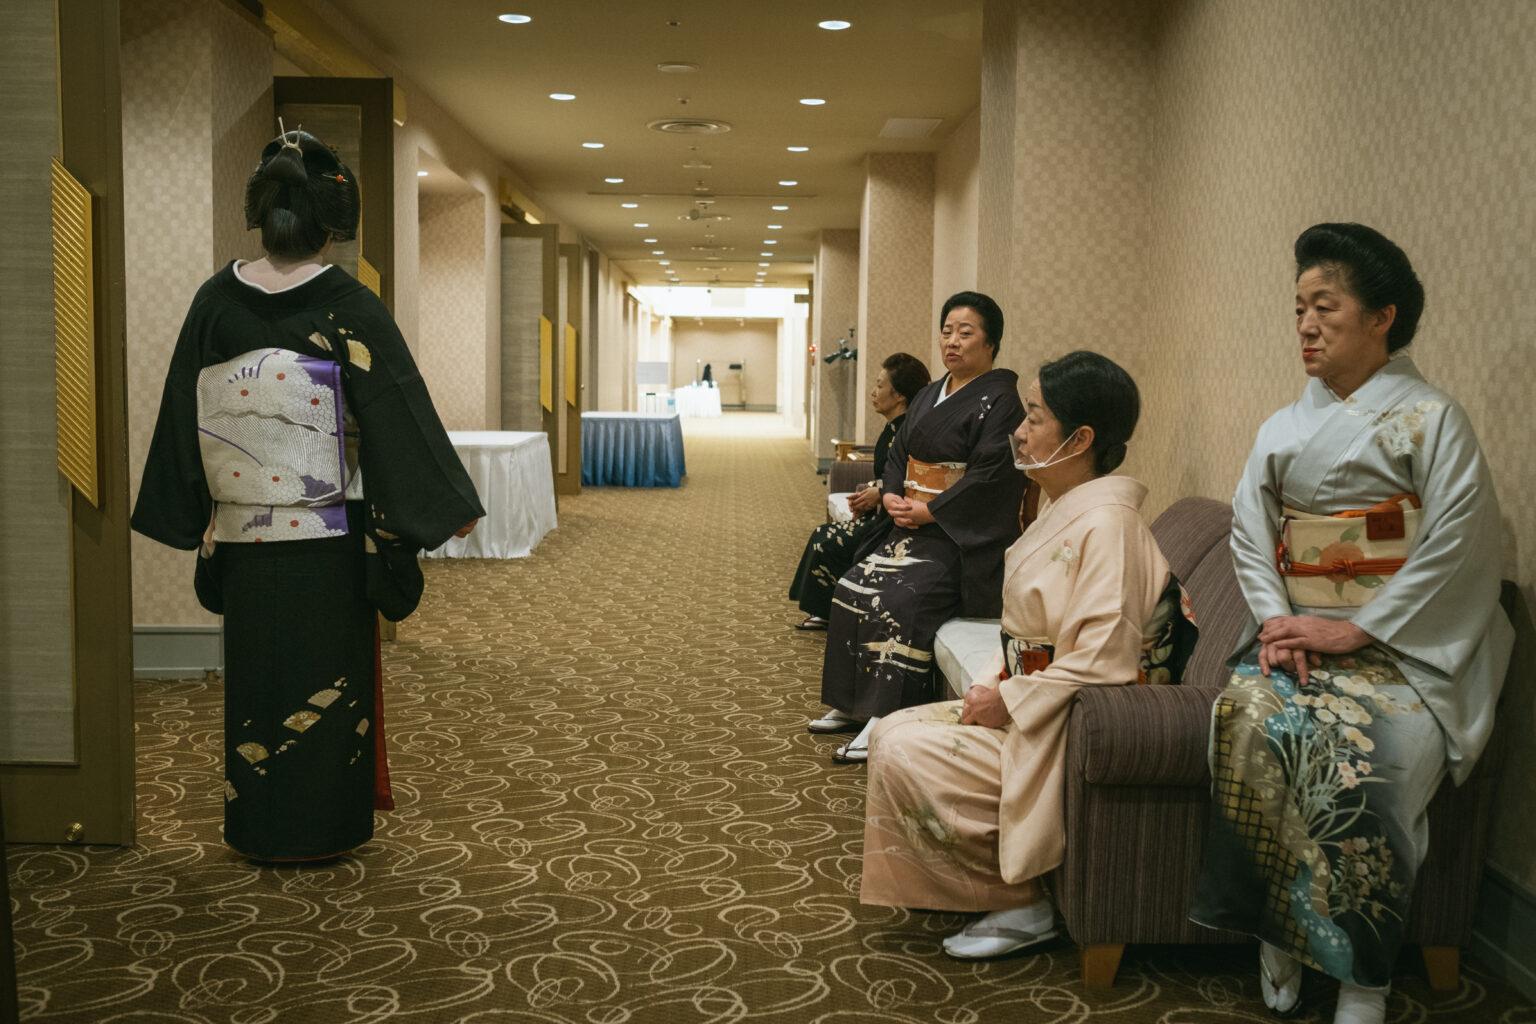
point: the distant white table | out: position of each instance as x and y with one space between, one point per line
512 472
697 400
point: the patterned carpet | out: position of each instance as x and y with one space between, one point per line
609 812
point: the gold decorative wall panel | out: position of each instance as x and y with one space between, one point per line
74 332
546 364
570 365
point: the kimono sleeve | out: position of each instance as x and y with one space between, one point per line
413 481
1099 640
1437 607
174 506
1255 531
983 506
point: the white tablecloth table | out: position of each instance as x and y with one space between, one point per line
697 400
512 472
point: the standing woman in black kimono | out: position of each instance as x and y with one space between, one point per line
830 551
298 450
953 496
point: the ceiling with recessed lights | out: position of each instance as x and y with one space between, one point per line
699 107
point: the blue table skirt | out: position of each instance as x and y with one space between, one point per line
631 450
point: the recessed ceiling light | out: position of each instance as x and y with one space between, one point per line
650 241
780 207
676 67
789 183
834 25
514 19
630 206
665 263
757 284
421 174
770 241
798 149
765 254
658 252
812 101
764 264
614 181
641 224
562 96
591 145
775 227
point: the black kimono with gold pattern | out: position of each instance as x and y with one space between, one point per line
303 762
908 583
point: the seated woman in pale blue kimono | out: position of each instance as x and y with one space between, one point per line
1367 542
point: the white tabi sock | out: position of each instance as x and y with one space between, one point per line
861 741
1038 917
1361 1005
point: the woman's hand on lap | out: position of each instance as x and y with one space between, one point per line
984 706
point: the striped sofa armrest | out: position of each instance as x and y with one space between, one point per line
1141 735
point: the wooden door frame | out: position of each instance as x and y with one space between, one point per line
43 802
375 97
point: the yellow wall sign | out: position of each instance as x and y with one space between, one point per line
570 365
547 364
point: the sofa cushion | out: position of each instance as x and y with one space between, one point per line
1189 529
1222 613
963 648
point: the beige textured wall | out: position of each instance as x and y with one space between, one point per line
451 327
956 219
1418 118
895 268
197 108
722 342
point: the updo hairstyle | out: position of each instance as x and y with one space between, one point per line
906 373
1084 389
301 196
1370 267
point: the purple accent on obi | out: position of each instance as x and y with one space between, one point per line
334 517
317 488
327 374
259 520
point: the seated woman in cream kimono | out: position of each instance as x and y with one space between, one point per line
1367 542
964 808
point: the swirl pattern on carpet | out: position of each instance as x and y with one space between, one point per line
609 812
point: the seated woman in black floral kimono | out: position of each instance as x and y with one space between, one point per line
830 551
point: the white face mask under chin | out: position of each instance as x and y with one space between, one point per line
1022 461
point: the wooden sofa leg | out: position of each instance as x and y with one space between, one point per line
1443 965
1100 962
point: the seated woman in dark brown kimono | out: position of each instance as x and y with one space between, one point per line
953 496
830 551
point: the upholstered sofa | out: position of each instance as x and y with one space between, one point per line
1138 786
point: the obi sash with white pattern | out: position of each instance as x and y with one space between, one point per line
273 430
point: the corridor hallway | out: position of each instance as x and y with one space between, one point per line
609 811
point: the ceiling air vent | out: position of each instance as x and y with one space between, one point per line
910 127
689 126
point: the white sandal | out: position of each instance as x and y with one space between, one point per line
983 939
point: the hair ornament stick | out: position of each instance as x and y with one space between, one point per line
283 133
